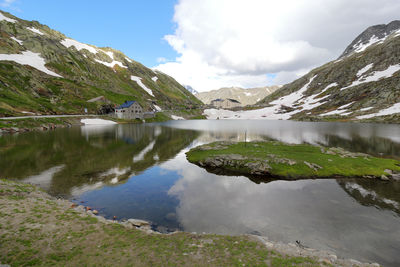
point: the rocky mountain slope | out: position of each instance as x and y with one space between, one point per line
244 96
43 71
363 84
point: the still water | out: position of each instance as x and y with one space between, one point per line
140 171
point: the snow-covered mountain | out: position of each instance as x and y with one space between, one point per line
363 84
244 96
372 35
190 89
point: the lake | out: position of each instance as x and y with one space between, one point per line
140 171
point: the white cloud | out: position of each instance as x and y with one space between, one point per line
7 3
233 42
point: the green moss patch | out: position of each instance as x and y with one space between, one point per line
287 161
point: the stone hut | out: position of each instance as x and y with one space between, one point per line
129 110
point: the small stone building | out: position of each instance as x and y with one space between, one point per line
129 110
225 103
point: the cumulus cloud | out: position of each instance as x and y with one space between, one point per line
237 43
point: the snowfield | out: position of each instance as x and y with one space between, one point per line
177 117
375 76
97 122
112 64
388 111
78 45
141 84
29 58
2 17
359 47
17 40
37 31
157 108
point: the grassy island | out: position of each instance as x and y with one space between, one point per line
287 161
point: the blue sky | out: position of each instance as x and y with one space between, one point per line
135 27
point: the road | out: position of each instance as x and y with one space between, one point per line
48 116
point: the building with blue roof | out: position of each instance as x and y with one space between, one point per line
129 110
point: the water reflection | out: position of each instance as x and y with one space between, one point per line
66 164
140 171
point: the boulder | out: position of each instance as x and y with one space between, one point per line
138 223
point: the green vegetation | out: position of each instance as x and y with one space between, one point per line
159 117
26 89
31 123
288 161
50 233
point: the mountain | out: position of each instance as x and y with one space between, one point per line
244 96
363 84
43 71
372 35
190 89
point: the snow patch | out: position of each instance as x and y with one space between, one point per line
342 111
364 70
365 109
128 59
155 78
97 122
32 29
375 76
157 108
17 40
78 45
2 17
176 117
141 84
111 64
110 54
29 58
388 111
359 47
143 153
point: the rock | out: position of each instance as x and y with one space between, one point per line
73 205
313 166
138 223
95 212
355 262
384 178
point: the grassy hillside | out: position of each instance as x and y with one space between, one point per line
84 74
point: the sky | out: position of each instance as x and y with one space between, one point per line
210 44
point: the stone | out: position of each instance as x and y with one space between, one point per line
95 212
138 223
313 166
384 178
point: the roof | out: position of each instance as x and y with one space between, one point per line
127 104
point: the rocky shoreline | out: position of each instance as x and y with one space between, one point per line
292 250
